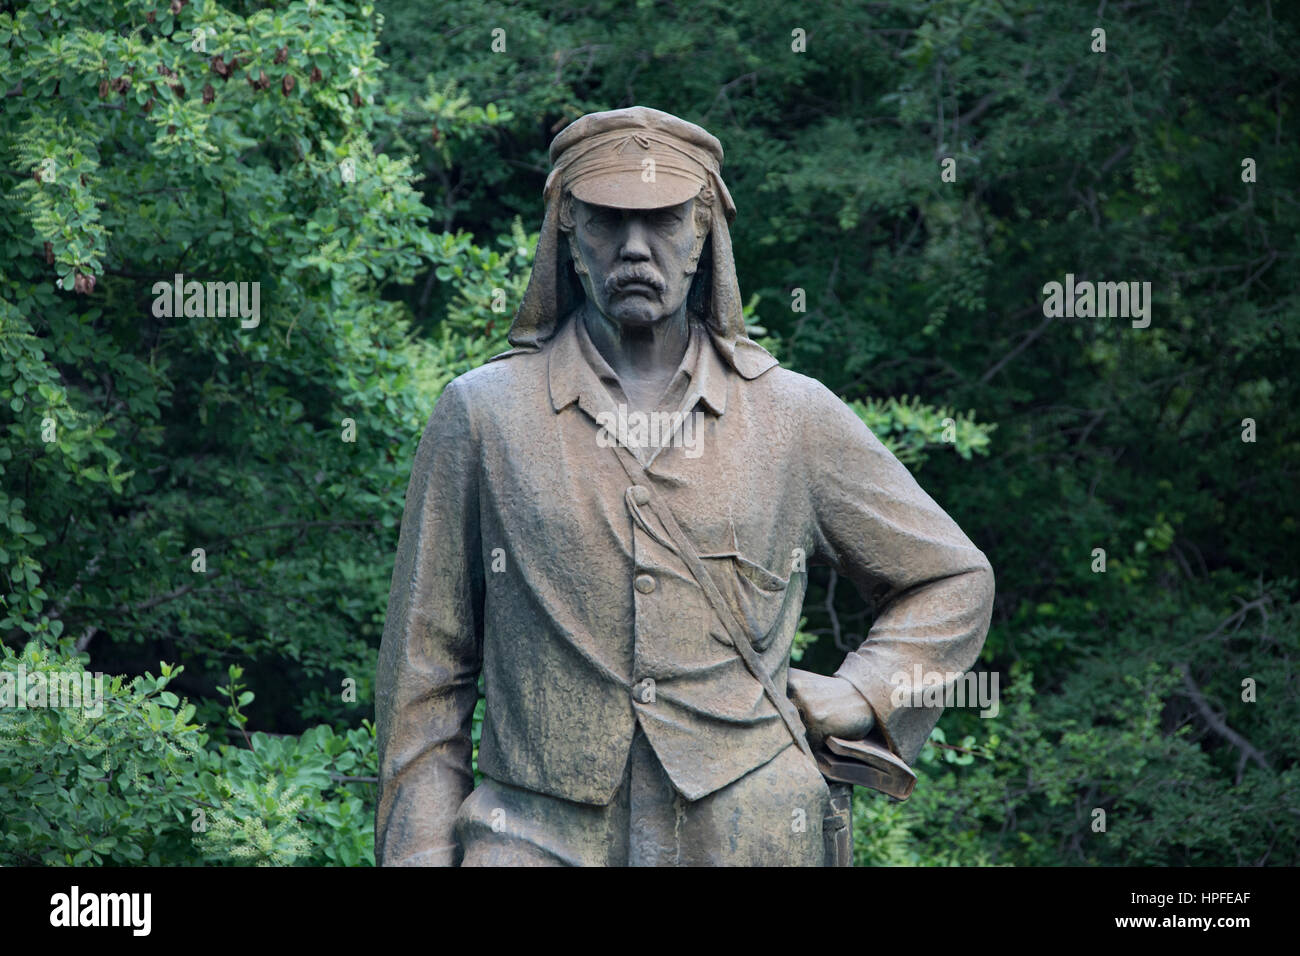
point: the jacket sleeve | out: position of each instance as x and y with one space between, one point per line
932 588
431 653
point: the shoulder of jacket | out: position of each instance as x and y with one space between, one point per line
507 371
791 387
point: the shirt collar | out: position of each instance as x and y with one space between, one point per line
575 377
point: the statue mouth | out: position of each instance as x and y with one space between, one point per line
636 288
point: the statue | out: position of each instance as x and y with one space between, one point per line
611 524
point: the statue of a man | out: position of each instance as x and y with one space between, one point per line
610 523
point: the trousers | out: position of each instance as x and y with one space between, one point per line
772 816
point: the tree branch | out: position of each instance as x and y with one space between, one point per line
1219 725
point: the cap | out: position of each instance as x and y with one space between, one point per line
634 158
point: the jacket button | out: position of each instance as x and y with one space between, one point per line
644 583
640 495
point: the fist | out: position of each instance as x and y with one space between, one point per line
830 706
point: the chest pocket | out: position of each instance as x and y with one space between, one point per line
761 600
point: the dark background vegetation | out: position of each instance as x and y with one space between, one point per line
127 156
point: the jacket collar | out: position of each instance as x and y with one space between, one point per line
573 379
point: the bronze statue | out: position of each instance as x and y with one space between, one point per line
611 522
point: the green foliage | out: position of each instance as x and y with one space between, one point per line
127 777
149 435
908 428
79 788
294 800
488 284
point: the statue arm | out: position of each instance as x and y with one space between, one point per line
932 588
432 649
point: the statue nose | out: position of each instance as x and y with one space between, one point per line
634 247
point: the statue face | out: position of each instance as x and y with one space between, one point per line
636 264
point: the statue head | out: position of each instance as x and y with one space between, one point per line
636 223
635 205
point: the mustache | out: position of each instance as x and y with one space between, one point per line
645 275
